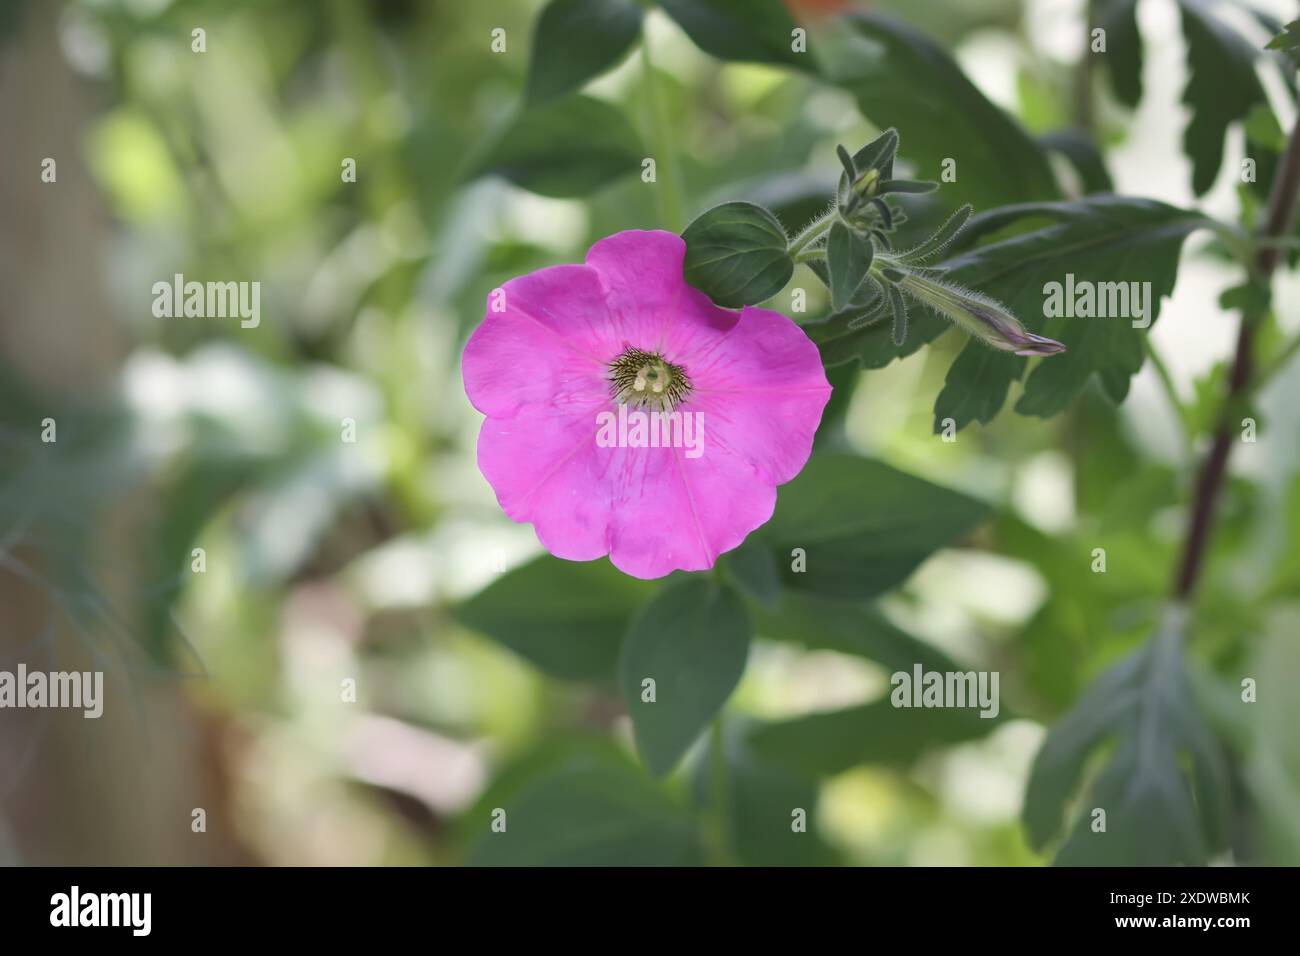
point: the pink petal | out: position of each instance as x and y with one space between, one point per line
652 510
544 470
517 360
570 300
678 513
761 389
647 293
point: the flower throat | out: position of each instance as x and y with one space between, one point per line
647 380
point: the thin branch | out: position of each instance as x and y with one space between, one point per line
1209 484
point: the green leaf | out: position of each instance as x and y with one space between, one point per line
586 812
1164 788
906 186
577 40
762 799
569 147
877 733
846 161
752 569
736 254
878 155
901 78
863 526
976 386
1123 56
1100 239
757 31
692 641
872 345
1222 87
567 618
849 627
1253 297
1084 156
1288 39
844 382
848 259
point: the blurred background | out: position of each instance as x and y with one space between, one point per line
325 561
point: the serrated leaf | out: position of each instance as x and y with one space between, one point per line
1222 87
848 259
1288 39
566 148
567 618
872 345
1099 239
976 386
736 254
903 79
756 31
577 40
692 641
1164 789
1123 56
863 526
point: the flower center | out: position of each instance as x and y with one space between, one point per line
647 380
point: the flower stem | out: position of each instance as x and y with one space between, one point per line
811 233
1209 483
668 192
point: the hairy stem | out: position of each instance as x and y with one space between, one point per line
1209 483
811 233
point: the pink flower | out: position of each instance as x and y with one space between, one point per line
734 397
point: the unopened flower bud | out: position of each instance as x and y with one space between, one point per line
979 315
866 184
